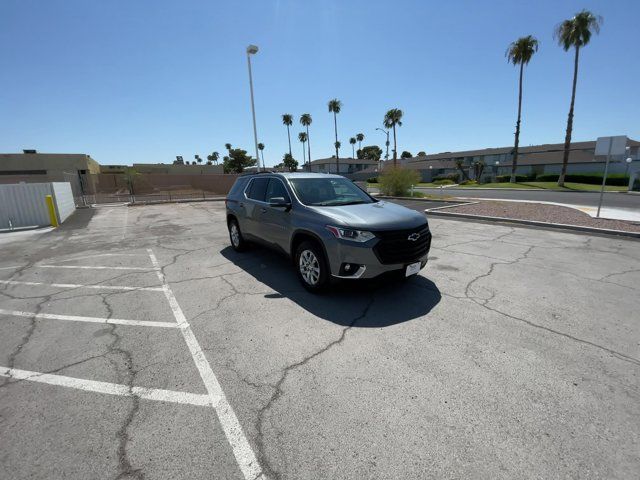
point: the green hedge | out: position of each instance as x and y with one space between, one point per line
519 178
614 179
443 181
454 177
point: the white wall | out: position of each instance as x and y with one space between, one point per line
63 197
24 204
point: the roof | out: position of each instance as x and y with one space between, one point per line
296 174
361 161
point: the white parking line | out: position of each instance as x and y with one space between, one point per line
242 451
10 268
75 285
99 267
96 255
155 394
76 318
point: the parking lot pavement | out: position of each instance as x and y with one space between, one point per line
135 343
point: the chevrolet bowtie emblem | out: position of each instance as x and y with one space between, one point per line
413 237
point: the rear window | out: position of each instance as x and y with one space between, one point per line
257 189
237 187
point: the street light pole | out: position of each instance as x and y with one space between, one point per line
252 50
386 132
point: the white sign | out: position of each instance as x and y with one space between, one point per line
611 145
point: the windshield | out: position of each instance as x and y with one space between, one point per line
328 192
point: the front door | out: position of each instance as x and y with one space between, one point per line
276 222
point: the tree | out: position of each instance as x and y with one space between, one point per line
237 161
289 162
227 146
360 138
213 158
520 53
353 141
305 121
179 160
422 153
392 118
406 154
130 175
302 136
335 106
261 148
574 33
198 159
370 152
460 166
478 168
287 119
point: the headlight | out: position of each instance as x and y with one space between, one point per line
350 234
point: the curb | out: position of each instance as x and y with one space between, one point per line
160 202
534 223
528 190
419 199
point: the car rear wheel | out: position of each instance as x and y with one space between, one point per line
235 235
311 266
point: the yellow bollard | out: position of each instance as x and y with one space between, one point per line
52 211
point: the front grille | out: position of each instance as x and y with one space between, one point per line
395 247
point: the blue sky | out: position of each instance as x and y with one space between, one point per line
146 80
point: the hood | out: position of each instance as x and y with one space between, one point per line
372 216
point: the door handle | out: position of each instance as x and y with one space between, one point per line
241 204
263 210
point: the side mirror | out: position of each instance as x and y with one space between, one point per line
279 202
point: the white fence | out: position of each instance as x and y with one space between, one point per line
24 204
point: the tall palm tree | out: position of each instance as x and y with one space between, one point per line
335 106
302 136
392 118
305 121
261 148
574 33
228 147
353 141
213 158
287 119
520 53
360 138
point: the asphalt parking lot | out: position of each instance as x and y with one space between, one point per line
135 343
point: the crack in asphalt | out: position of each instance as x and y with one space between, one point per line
278 391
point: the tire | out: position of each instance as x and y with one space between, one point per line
238 243
311 266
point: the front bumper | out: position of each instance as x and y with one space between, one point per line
362 255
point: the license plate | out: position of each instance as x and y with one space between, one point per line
412 269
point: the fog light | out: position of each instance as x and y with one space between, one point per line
347 267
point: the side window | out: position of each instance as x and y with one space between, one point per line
277 189
257 189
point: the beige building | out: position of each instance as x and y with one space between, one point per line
33 167
170 168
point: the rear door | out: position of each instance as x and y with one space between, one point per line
254 204
275 223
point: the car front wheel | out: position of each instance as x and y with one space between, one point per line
311 266
235 235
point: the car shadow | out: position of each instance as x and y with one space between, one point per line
373 303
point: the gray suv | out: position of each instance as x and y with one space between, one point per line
327 225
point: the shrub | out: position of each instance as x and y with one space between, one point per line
397 181
454 177
443 181
372 180
615 179
519 178
469 182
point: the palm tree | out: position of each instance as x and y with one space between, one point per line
305 121
261 148
574 33
287 119
360 138
335 106
198 159
353 141
520 53
213 158
228 147
302 136
392 118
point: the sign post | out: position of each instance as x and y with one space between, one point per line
609 146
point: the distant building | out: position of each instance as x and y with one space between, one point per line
31 166
177 169
347 165
532 160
